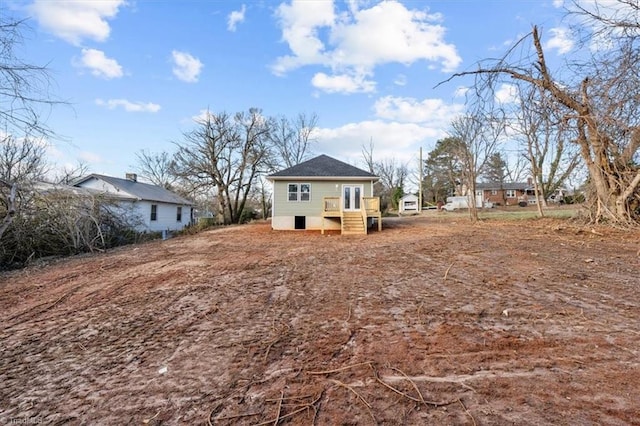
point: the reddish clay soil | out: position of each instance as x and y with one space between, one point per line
431 321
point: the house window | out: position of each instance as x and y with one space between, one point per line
299 192
510 193
305 192
494 192
293 192
154 212
179 214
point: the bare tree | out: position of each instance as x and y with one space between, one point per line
516 168
69 175
392 173
228 153
158 168
22 161
477 139
24 87
545 136
608 19
602 108
292 139
24 94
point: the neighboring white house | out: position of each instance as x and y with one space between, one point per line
409 204
149 207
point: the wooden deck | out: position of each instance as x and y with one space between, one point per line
352 221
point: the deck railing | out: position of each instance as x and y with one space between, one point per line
371 204
369 207
331 205
334 204
363 212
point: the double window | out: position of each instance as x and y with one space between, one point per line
299 192
510 193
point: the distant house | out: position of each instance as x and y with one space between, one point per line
152 208
512 193
505 193
324 193
409 204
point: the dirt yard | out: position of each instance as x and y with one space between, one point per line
431 321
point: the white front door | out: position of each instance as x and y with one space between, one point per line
351 196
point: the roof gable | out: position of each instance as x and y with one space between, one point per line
323 166
142 191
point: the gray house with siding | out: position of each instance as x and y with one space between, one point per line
324 194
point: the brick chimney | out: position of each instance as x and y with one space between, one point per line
132 177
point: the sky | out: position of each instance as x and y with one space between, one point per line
136 73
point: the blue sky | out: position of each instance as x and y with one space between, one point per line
136 73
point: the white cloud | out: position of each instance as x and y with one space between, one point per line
203 115
99 64
506 93
560 40
300 22
401 127
74 21
389 32
358 40
128 106
236 17
433 112
343 83
390 139
186 67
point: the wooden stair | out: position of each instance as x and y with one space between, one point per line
353 224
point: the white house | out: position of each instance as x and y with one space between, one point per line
150 208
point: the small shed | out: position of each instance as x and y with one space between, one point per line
409 204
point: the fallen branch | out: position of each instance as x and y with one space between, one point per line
412 384
146 421
266 353
388 386
447 271
467 411
364 401
399 392
275 421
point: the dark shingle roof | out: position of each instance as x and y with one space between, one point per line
143 191
323 166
